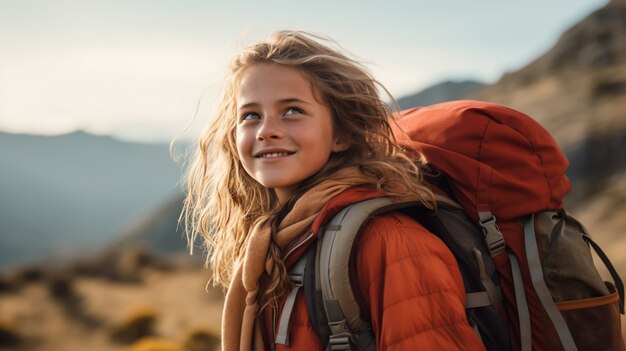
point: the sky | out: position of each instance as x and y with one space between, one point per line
137 70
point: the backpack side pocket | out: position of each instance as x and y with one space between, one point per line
589 306
594 322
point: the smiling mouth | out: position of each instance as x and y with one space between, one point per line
274 154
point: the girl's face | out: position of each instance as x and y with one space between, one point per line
284 134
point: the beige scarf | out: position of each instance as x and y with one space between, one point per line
240 324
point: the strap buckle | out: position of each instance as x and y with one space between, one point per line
297 279
493 235
340 342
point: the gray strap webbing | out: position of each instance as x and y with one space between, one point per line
522 306
536 273
493 236
335 248
477 299
297 278
337 240
342 310
494 293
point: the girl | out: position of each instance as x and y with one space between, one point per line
300 132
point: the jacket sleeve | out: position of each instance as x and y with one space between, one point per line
412 285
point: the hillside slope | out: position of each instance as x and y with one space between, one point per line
65 193
577 90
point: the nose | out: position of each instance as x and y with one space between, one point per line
269 128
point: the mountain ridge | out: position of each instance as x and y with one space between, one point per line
581 102
594 153
75 190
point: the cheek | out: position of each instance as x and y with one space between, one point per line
240 140
243 147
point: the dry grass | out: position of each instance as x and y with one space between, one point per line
179 305
9 335
154 344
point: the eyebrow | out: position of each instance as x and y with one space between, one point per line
282 102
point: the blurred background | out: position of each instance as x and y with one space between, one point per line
91 93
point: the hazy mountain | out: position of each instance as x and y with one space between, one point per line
62 193
60 190
445 91
157 230
577 90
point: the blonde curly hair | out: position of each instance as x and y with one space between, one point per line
223 202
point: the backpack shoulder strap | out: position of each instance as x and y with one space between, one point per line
334 311
347 328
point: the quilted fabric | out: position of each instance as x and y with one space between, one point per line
499 160
409 283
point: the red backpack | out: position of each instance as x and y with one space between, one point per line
526 263
502 166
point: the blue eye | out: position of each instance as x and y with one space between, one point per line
293 111
250 115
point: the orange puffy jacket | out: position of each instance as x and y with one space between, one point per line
406 278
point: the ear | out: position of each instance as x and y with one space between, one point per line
340 145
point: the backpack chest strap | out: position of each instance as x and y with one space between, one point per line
297 279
